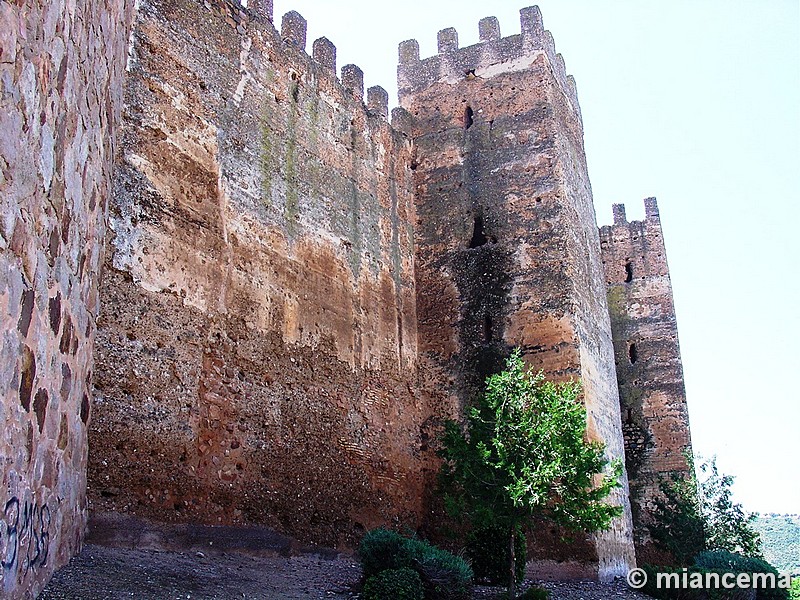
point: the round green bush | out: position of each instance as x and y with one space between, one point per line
444 576
487 550
381 549
394 584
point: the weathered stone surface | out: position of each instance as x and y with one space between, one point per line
507 246
61 69
257 344
649 371
275 250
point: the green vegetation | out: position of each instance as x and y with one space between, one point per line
697 514
678 525
728 526
729 562
535 593
524 454
781 539
444 576
399 584
697 521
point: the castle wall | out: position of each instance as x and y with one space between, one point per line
649 371
508 252
256 353
61 69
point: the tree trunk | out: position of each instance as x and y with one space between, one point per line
512 575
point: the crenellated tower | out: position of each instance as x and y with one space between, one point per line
508 252
655 418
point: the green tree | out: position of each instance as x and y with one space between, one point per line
522 453
678 525
698 513
728 526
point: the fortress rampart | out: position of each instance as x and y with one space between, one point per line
295 291
256 350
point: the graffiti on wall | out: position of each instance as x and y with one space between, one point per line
24 536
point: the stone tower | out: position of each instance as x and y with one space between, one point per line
508 252
649 371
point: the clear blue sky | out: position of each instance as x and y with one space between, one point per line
696 102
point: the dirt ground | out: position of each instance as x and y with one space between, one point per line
125 557
102 573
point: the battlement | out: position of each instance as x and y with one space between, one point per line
632 249
651 214
293 31
513 53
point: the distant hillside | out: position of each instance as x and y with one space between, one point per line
781 536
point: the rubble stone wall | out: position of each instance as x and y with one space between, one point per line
257 350
61 70
295 292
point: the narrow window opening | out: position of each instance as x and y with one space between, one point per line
628 272
487 329
468 117
295 92
478 235
633 354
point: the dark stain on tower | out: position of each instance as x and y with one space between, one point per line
648 359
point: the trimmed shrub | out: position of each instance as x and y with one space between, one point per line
444 576
487 550
794 593
379 550
736 563
397 584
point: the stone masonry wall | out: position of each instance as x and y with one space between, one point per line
649 371
508 252
61 69
256 356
